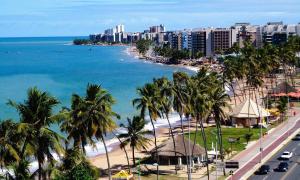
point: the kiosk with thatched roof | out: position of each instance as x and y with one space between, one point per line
248 113
166 151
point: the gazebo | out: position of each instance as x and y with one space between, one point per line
166 151
248 113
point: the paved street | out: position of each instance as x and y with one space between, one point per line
294 167
251 156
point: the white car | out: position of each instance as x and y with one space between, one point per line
286 155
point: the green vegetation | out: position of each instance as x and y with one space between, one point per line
174 56
90 118
135 136
227 133
143 46
81 42
282 106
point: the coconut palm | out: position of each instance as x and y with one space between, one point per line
166 100
75 166
219 102
92 116
9 146
135 136
19 170
180 101
148 101
73 123
200 111
122 146
35 115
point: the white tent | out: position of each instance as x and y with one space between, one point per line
249 109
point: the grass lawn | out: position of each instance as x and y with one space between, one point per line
227 133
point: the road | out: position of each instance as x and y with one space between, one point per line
294 164
251 156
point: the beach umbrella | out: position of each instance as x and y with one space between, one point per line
122 175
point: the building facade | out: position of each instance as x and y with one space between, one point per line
221 40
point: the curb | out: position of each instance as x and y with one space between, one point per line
274 151
254 168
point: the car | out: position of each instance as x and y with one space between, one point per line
296 138
264 169
286 155
283 167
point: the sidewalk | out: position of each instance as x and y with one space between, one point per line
250 157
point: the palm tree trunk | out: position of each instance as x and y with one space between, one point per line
125 151
172 134
40 170
217 119
133 157
196 132
107 158
185 152
205 146
156 150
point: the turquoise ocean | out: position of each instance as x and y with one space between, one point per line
53 64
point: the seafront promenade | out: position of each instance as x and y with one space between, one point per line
250 158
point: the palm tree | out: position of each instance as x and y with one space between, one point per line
73 123
92 116
201 104
20 170
136 135
9 143
219 102
149 101
122 146
36 117
166 100
75 165
181 101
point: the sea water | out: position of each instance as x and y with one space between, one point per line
54 65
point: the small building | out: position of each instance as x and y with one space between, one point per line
283 87
167 156
248 114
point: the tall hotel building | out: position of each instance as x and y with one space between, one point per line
222 39
199 38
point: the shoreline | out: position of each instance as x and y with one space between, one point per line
132 51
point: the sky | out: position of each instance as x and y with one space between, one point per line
27 18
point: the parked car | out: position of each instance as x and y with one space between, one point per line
296 138
283 167
264 169
286 155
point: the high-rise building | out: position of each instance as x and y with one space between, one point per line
259 36
175 40
199 38
242 32
157 29
120 28
221 40
298 29
277 32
